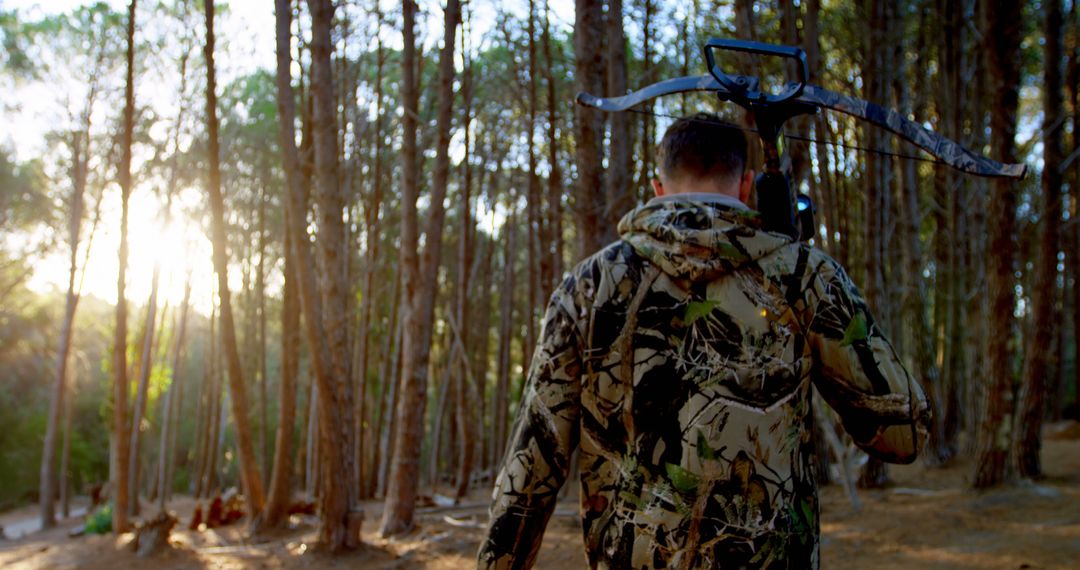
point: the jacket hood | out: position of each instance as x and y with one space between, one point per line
696 239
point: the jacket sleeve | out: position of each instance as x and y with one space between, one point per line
858 373
544 436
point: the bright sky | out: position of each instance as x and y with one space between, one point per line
245 42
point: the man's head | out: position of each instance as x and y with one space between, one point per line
703 153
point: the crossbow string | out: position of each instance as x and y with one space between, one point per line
801 138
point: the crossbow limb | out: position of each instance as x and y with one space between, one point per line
947 151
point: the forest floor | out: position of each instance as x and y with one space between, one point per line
928 518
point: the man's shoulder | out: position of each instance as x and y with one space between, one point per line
615 252
801 257
588 272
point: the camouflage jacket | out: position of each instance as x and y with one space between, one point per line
681 358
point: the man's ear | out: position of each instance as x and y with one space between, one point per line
657 187
746 184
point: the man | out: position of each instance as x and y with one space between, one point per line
681 357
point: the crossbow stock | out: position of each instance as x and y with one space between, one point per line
771 110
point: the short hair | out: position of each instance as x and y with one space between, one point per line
702 146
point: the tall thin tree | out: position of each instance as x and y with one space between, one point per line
588 127
336 398
119 357
1031 404
80 158
248 465
335 508
1002 36
420 278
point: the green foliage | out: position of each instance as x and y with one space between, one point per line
13 57
100 522
24 204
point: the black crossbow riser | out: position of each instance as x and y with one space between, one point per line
771 110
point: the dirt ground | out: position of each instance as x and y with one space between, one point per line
929 518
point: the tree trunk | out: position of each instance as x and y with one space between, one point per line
532 201
146 364
279 498
65 462
501 402
119 357
589 127
1002 35
391 378
260 301
206 400
57 401
338 500
876 74
620 196
164 480
372 217
1027 438
442 402
312 443
463 397
744 30
420 287
554 185
917 300
797 151
645 173
336 511
249 469
1073 236
965 398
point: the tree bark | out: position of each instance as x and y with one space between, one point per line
464 399
620 195
277 503
554 183
1073 235
249 470
372 217
57 400
65 461
206 400
1031 404
164 479
338 500
532 200
119 356
501 403
420 286
260 302
138 411
1002 35
876 75
333 532
589 127
391 380
917 299
645 173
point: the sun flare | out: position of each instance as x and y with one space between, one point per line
179 247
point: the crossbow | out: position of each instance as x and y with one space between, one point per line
771 109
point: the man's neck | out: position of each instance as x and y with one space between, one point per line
713 197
